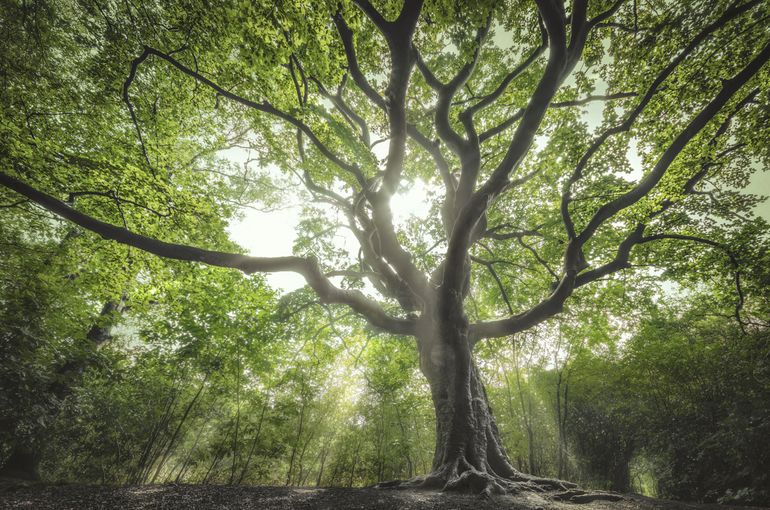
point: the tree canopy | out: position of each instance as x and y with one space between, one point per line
569 154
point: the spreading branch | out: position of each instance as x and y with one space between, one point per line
554 303
731 13
307 267
261 106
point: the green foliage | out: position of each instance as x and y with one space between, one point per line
689 394
205 375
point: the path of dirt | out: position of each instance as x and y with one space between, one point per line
210 497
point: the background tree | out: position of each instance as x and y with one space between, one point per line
679 402
482 103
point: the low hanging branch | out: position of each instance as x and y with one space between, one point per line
307 267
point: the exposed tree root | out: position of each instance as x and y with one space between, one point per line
471 480
581 496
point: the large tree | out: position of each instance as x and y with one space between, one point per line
535 196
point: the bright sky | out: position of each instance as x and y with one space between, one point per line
272 234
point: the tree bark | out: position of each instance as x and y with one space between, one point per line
469 454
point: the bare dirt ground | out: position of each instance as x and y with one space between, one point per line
168 497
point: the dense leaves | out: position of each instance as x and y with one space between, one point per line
586 252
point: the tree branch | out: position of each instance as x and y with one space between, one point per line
628 122
553 16
496 130
491 268
307 267
728 90
263 106
398 34
554 303
512 75
131 75
351 116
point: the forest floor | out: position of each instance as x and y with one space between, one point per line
173 497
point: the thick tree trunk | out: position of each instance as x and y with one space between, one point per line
469 453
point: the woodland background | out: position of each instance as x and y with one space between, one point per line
117 367
211 377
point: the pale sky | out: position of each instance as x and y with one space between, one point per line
272 234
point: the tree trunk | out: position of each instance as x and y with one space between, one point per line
254 441
321 469
526 412
469 453
620 476
24 459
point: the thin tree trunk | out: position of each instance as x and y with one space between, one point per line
421 458
172 441
407 446
187 458
527 414
296 442
217 456
353 466
322 455
144 464
302 451
563 432
253 444
237 421
559 427
380 443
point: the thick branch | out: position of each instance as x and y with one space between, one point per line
398 34
447 91
554 303
346 35
628 122
307 267
553 15
728 90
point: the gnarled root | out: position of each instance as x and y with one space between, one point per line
461 476
581 496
